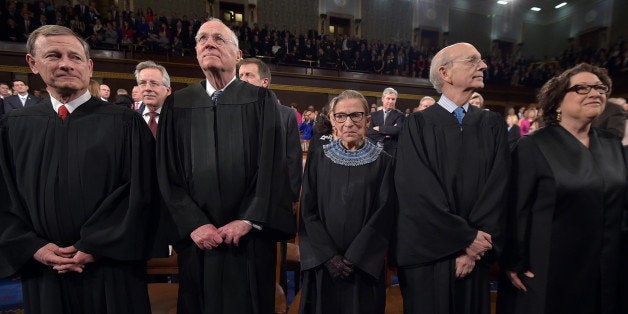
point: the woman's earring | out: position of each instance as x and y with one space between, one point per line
558 117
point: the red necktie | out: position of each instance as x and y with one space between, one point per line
63 112
152 122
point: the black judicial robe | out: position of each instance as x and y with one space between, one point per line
451 181
90 182
346 210
565 221
216 164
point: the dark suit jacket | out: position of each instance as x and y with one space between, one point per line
389 131
14 102
612 119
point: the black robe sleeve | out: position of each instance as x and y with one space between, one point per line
93 190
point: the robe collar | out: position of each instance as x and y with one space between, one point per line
342 156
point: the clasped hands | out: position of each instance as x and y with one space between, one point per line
474 252
208 237
339 267
63 259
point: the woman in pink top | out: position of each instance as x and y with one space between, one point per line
524 124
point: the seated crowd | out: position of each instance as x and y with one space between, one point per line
145 30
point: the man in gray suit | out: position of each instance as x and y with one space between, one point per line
22 99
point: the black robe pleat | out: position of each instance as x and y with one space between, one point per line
565 219
451 181
219 163
89 182
346 210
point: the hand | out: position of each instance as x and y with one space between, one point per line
464 265
52 255
514 279
80 259
206 237
337 267
482 243
233 231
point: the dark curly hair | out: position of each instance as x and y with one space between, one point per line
552 93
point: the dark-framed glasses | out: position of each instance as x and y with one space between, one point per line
584 89
342 117
152 84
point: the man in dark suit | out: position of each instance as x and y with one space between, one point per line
612 119
386 123
4 93
256 72
22 99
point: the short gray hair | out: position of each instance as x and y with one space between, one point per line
233 35
439 60
53 30
389 90
165 78
427 98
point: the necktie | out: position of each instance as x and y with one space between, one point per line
459 113
137 105
385 115
152 122
63 112
215 97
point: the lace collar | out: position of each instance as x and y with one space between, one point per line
342 156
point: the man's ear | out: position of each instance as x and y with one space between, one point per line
31 63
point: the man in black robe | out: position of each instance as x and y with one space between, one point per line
77 191
221 168
451 178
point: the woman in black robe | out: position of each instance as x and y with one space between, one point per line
562 254
346 217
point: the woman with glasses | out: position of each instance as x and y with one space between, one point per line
569 190
346 216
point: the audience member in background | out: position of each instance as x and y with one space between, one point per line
94 88
78 190
105 92
306 129
4 92
136 94
569 191
322 131
612 119
451 188
524 123
256 72
222 173
124 101
296 112
344 240
121 91
386 123
513 130
424 103
22 98
477 100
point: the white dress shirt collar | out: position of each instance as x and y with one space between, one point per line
72 105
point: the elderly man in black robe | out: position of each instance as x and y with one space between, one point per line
78 189
451 178
222 172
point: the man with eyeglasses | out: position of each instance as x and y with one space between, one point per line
451 179
153 85
386 123
221 165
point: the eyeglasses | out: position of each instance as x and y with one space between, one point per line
585 89
342 117
218 39
152 84
473 61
